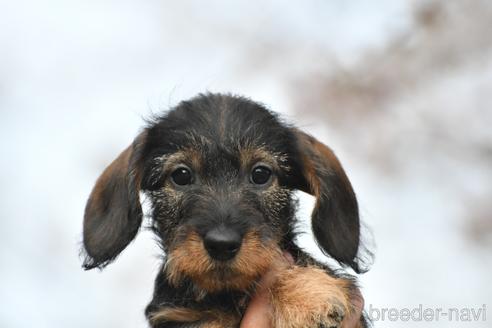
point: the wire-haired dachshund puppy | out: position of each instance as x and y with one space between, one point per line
220 171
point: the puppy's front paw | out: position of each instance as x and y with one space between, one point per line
308 297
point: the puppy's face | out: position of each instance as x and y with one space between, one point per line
219 171
218 182
219 215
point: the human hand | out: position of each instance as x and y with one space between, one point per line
258 313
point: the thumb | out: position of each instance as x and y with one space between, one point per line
258 313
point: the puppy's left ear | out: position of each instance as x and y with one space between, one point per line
335 218
113 213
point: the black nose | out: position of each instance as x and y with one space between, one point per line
222 244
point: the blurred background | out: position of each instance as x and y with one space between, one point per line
400 89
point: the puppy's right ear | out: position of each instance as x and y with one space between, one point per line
113 213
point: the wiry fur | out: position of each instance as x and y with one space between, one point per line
253 260
307 296
220 139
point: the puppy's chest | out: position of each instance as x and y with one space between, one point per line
190 305
231 302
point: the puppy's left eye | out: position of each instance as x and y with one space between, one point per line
261 175
181 176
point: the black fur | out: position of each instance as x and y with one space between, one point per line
113 213
212 133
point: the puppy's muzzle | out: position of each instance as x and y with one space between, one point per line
222 243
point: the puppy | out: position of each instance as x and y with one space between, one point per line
220 171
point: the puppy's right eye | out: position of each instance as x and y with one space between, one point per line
181 176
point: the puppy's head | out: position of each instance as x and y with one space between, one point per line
220 171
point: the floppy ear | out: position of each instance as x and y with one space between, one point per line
113 213
335 218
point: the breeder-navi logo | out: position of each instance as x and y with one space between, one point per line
428 314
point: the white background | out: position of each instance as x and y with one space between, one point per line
77 79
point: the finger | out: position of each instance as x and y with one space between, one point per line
258 313
353 319
288 257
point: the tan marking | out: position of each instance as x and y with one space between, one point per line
226 321
251 155
307 296
178 314
188 156
118 170
319 158
331 161
312 177
207 318
190 259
